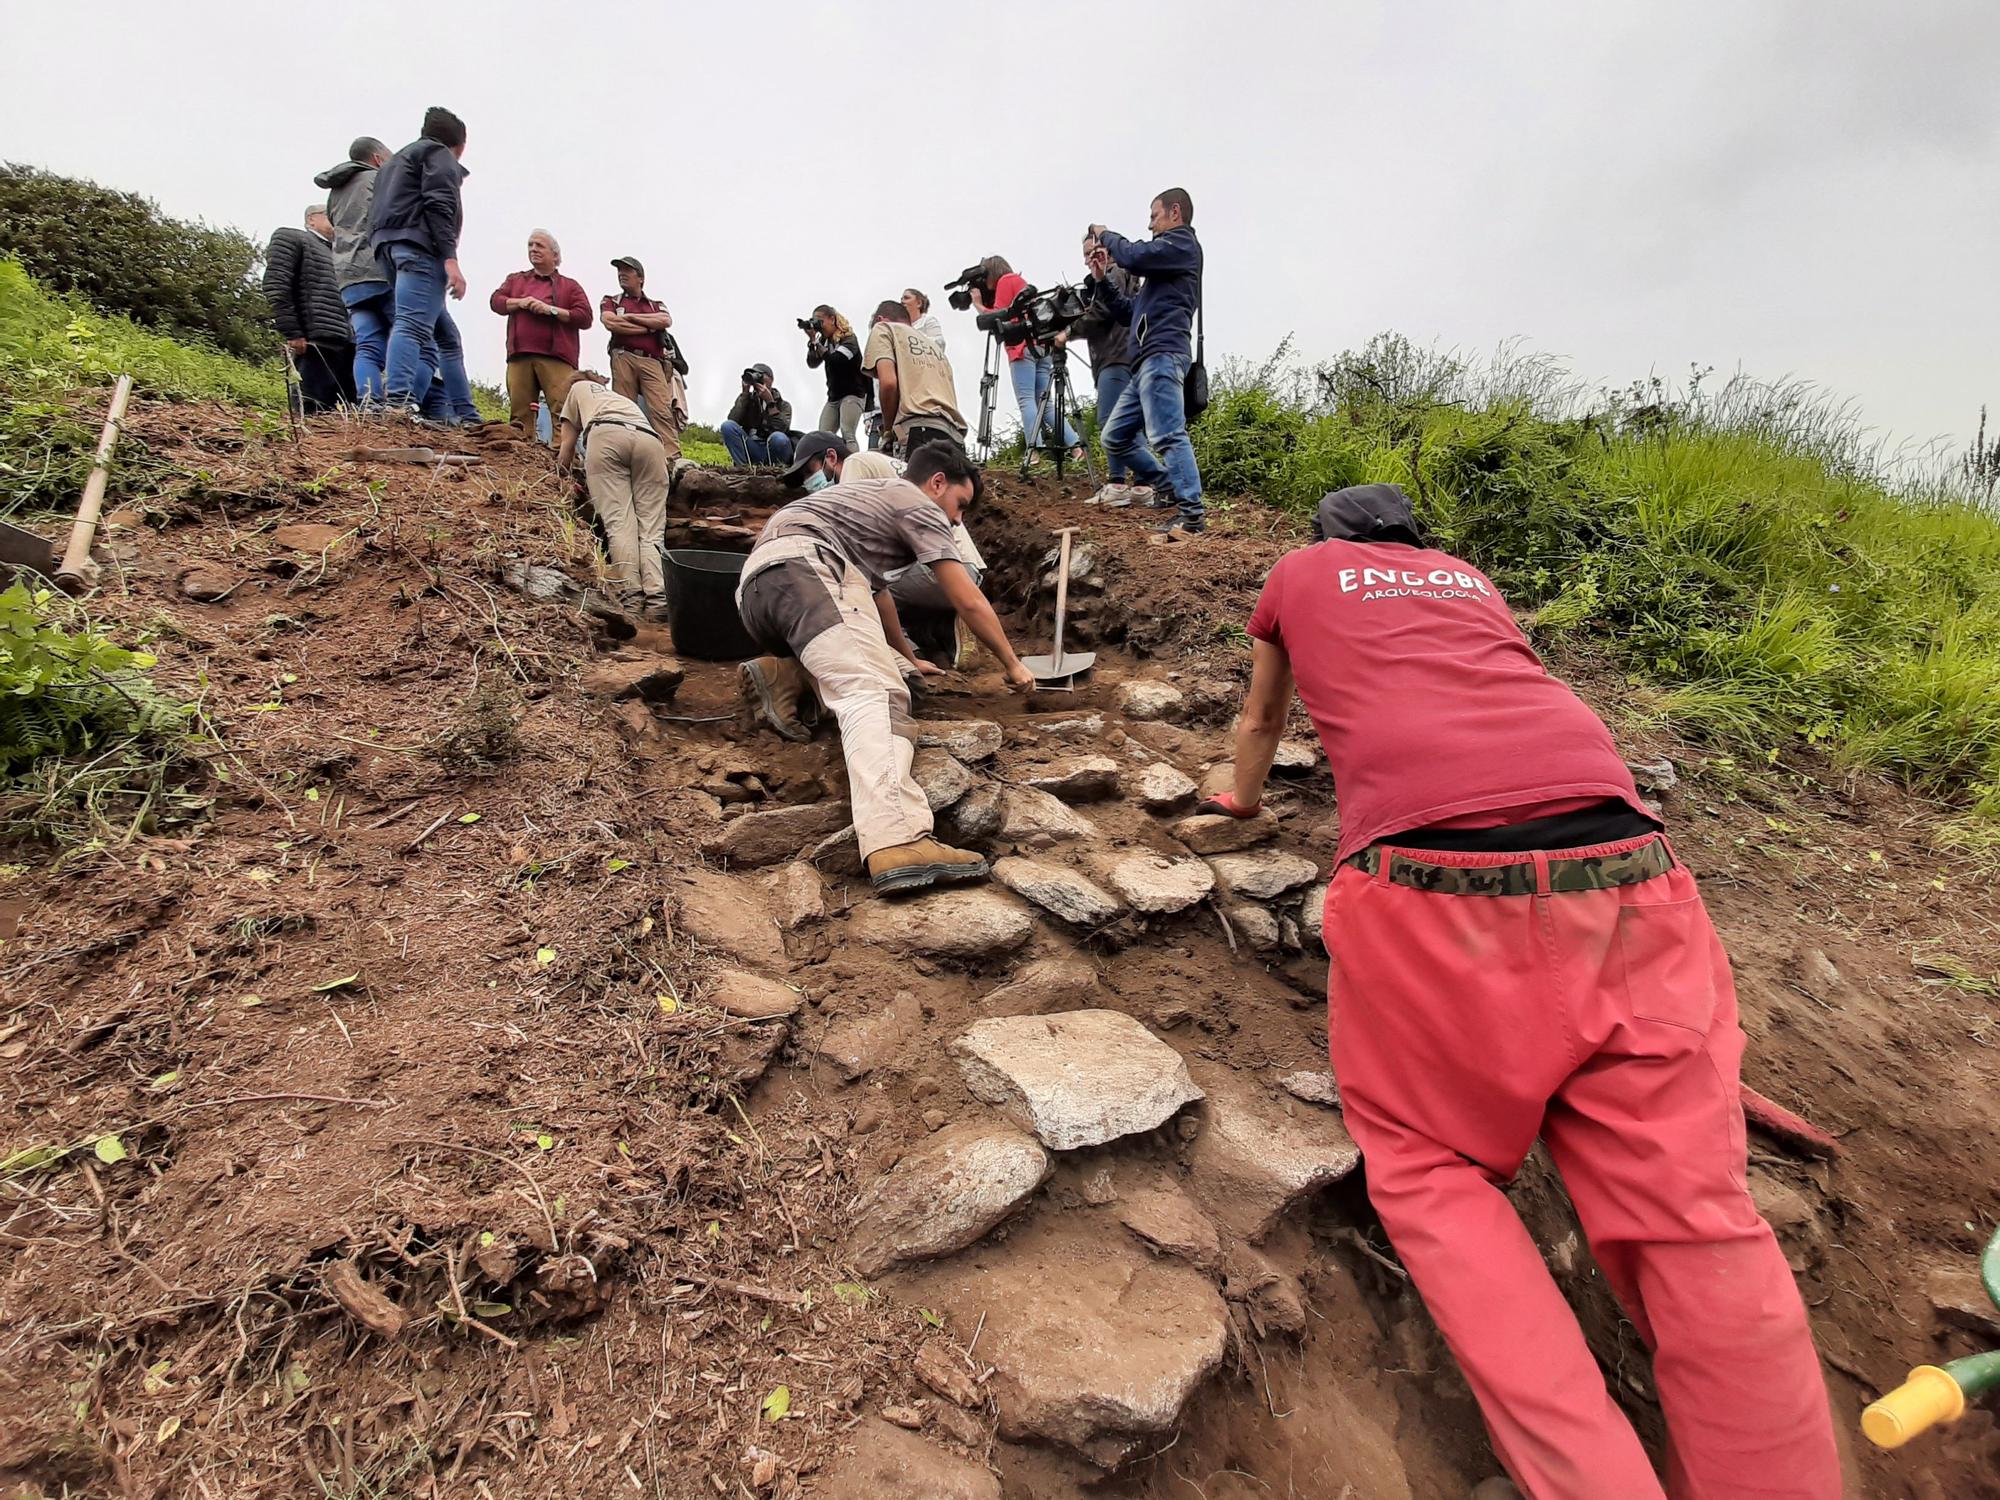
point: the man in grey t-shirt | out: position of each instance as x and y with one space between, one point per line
815 594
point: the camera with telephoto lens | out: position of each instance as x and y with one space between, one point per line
961 286
753 377
1034 316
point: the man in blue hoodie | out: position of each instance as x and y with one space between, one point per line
1152 413
415 219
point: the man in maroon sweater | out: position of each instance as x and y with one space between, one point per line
545 311
1516 951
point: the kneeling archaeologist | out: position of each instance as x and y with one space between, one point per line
1516 951
814 595
625 471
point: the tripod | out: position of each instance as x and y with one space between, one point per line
989 382
1049 413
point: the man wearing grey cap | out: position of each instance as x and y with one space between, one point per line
300 285
759 428
646 363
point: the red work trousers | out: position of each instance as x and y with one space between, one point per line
1462 1026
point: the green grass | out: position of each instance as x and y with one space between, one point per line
1744 547
55 353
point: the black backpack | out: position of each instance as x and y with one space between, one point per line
1194 390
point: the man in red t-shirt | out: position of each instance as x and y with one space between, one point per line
545 311
1515 951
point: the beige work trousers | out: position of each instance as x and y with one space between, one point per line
860 683
640 377
626 471
528 374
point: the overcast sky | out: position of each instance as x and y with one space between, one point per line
1793 186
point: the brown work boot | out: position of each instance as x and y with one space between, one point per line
921 862
775 688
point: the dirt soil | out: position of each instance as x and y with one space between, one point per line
437 1167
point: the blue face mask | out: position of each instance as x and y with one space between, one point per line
817 480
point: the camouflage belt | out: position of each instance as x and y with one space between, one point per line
1589 873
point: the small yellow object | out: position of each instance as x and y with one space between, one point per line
1928 1397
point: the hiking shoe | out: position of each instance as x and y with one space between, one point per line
921 862
774 689
1175 531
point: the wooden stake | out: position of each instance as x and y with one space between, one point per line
72 575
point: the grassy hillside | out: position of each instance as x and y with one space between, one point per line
1743 547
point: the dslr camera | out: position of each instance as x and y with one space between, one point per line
752 377
961 286
808 325
1036 317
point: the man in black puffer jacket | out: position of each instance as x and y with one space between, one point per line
305 304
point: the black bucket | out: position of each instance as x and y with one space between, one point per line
701 605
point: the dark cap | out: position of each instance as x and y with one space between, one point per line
764 370
814 445
1365 512
629 263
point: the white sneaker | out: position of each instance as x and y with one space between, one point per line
1139 494
1113 495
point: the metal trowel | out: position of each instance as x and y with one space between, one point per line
1059 670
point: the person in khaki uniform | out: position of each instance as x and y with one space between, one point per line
814 594
914 382
625 471
645 363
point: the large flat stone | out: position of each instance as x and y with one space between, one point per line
1140 699
1058 890
650 678
1218 833
1025 812
1294 756
737 992
939 1200
942 776
1160 786
968 739
887 1463
1046 984
1253 925
1263 876
1100 1351
1169 1223
728 915
1155 884
1258 1153
858 1044
964 924
765 838
1079 1078
1073 778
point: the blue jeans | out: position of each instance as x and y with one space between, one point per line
418 286
1031 379
371 307
1111 385
450 399
746 447
1153 411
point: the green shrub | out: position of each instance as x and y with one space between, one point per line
123 256
1744 546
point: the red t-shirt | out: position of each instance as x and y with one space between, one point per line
1005 290
1428 699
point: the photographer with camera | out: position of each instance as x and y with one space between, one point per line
759 427
831 341
1111 356
1153 409
1031 371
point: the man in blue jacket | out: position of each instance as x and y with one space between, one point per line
415 220
1153 410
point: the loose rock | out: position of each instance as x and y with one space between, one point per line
1076 778
940 1367
205 585
1080 727
1960 1300
942 777
765 838
798 896
964 924
1161 786
1170 1224
1149 700
1218 833
1264 875
1025 812
1076 1079
650 678
968 739
1059 891
1256 1157
839 853
1294 756
1656 775
1312 915
1156 885
753 997
976 815
944 1197
857 1045
887 1463
729 916
1045 985
309 536
749 1050
1253 925
1314 1088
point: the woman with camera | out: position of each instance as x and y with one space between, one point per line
1031 373
831 341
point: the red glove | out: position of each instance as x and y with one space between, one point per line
1226 805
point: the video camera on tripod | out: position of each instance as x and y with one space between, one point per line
972 279
1036 317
